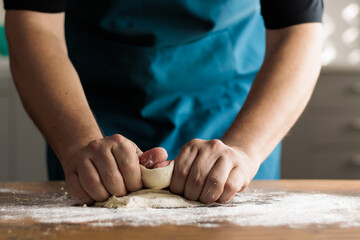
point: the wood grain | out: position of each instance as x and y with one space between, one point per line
27 229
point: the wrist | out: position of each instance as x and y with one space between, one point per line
250 151
65 147
248 163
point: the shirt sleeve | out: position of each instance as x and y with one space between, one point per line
49 6
284 13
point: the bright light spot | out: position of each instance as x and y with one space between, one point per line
354 57
350 35
329 53
328 26
350 12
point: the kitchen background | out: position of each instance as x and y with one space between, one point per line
325 142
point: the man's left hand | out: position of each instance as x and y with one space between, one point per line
209 171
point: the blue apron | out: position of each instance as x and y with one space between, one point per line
164 72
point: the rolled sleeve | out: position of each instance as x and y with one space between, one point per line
284 13
49 6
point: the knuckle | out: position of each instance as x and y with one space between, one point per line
208 199
212 198
230 187
215 181
182 172
91 181
186 146
192 145
197 180
226 153
194 142
118 139
224 199
94 145
193 148
215 144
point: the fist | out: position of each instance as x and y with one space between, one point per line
209 171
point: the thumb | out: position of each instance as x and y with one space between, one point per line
153 157
138 151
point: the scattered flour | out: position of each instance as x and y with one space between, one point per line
246 209
11 190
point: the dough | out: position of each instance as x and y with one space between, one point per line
155 179
149 198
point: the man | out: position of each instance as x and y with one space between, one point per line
175 74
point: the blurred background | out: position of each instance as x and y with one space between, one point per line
325 142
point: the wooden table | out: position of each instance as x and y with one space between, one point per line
27 229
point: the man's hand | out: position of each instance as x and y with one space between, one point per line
108 166
213 171
209 171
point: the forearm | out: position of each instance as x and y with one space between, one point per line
280 91
48 85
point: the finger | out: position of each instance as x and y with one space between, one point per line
198 173
153 156
109 173
234 184
183 163
76 191
162 164
138 150
90 181
127 160
216 180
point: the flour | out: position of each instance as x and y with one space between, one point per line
11 190
253 208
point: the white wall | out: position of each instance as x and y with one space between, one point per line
22 148
342 34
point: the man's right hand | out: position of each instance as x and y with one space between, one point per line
108 166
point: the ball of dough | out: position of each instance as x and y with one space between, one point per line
157 178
